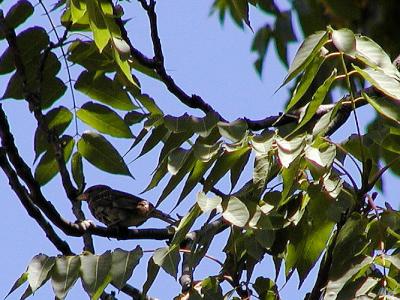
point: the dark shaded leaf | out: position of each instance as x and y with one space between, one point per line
65 274
47 167
101 88
77 171
152 271
123 264
18 13
95 273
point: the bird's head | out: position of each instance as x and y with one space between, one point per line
92 191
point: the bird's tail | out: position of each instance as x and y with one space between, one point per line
163 216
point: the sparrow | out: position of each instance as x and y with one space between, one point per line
116 208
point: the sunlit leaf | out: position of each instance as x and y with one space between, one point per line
316 100
236 212
168 259
234 131
288 151
308 49
306 79
104 119
39 270
207 204
102 154
386 84
345 41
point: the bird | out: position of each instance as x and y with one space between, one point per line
120 209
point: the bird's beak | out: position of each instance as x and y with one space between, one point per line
83 197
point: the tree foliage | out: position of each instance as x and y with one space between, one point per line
302 205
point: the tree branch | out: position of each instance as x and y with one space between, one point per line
32 210
34 102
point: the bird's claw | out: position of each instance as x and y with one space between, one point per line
85 224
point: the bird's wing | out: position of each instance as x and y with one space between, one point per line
125 200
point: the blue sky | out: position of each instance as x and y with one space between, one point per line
204 58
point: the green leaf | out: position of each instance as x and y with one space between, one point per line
174 141
345 41
309 238
149 104
306 53
238 167
134 117
306 79
373 55
98 25
196 174
208 204
234 131
386 107
204 152
224 163
102 154
57 120
18 14
177 159
385 83
47 167
157 135
123 264
177 124
30 43
262 168
260 44
338 281
51 90
283 34
320 158
39 270
168 259
65 273
20 281
152 271
289 150
316 100
236 212
159 174
177 178
77 171
95 273
184 225
266 288
101 88
104 120
204 126
87 55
